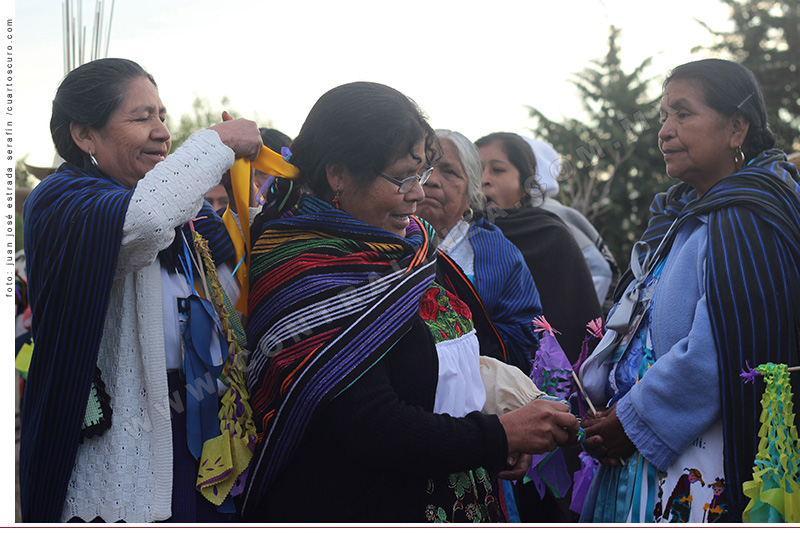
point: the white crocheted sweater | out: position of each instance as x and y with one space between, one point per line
126 474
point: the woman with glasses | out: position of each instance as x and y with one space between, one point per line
350 317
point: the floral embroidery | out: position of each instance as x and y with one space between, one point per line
474 499
461 483
447 317
460 307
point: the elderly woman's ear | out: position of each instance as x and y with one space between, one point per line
739 128
83 136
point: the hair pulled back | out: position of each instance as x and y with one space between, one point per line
88 96
520 154
729 88
364 126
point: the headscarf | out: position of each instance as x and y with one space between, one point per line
752 286
329 296
547 162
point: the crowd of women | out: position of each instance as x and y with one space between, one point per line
352 339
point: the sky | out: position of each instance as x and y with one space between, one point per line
471 66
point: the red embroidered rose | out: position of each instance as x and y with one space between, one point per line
460 307
429 306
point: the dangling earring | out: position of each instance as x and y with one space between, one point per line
92 158
335 202
467 216
738 157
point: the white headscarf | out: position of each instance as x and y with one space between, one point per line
547 165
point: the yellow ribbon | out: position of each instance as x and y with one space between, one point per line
268 162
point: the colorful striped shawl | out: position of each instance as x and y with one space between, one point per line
752 285
329 296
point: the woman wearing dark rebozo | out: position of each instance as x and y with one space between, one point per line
712 291
109 432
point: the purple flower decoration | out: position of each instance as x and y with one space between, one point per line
750 374
262 191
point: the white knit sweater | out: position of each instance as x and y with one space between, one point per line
126 474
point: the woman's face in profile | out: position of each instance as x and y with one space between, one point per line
379 203
501 183
135 138
698 142
445 191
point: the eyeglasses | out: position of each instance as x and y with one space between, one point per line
406 184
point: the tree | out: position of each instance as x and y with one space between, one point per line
22 178
611 167
202 116
766 39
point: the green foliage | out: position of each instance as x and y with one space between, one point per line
201 116
611 165
18 238
766 39
22 178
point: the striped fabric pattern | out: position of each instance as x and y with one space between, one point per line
329 295
753 288
508 291
208 224
73 230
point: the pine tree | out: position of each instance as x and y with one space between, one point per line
611 165
766 39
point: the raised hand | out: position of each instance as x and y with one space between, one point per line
240 135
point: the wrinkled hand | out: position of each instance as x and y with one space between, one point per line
518 465
605 437
538 427
240 135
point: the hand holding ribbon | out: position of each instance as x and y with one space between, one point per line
266 161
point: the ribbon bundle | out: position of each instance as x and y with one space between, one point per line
271 163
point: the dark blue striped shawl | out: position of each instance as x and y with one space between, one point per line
752 285
507 289
73 231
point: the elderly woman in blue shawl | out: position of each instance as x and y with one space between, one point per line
713 288
453 204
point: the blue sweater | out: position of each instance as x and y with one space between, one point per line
678 398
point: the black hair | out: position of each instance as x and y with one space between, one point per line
364 126
88 96
274 139
520 154
730 88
